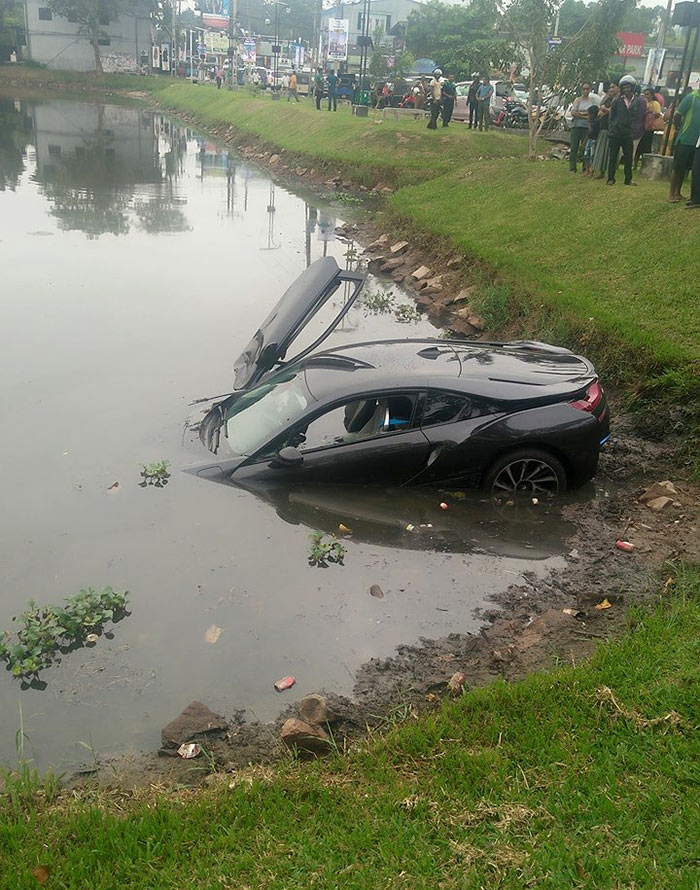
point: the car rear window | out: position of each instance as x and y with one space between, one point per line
442 407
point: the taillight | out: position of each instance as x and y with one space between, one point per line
592 399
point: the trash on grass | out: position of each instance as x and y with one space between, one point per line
188 750
535 501
92 638
575 613
410 527
604 604
285 683
344 529
456 683
625 546
443 506
212 634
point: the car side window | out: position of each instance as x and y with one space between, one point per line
357 420
443 407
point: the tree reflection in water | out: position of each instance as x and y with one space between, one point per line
106 169
15 135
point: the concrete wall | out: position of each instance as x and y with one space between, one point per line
56 43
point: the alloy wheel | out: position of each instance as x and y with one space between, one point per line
529 475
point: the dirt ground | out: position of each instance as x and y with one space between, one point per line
532 624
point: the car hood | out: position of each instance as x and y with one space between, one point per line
297 306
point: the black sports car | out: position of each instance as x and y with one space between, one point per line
509 417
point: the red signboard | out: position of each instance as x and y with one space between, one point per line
631 44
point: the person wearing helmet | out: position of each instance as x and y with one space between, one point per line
435 93
483 95
623 115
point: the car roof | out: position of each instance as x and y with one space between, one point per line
511 372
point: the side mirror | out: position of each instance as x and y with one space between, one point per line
288 457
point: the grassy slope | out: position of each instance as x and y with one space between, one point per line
400 151
605 253
540 784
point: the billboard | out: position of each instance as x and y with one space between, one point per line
249 53
338 39
632 44
215 7
215 42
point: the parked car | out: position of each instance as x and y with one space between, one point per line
502 90
508 417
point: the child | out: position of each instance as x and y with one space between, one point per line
591 139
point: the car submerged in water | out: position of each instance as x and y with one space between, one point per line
514 417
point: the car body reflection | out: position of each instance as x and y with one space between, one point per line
413 519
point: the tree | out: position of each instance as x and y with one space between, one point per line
582 56
461 40
91 17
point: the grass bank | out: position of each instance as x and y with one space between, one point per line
582 777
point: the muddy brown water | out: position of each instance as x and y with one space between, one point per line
138 259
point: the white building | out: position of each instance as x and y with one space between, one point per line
384 15
54 41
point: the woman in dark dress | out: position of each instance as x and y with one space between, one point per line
601 156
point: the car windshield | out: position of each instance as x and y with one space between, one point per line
258 415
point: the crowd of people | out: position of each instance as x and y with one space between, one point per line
619 127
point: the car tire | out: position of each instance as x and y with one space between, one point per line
530 471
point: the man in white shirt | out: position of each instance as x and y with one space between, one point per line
435 93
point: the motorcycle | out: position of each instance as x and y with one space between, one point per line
513 115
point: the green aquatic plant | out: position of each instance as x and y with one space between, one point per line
44 631
325 549
405 313
155 474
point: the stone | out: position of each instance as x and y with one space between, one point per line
656 166
420 273
454 262
383 239
476 321
376 591
464 295
274 159
398 248
300 171
658 504
435 281
456 683
305 738
314 709
375 246
658 490
196 720
398 276
391 264
375 263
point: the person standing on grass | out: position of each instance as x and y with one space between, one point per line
483 96
449 94
473 102
601 156
591 139
579 125
318 88
653 121
332 81
219 77
687 121
638 123
292 91
623 114
435 92
694 201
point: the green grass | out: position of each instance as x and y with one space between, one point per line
549 783
394 152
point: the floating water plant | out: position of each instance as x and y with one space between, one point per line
155 474
45 631
325 549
